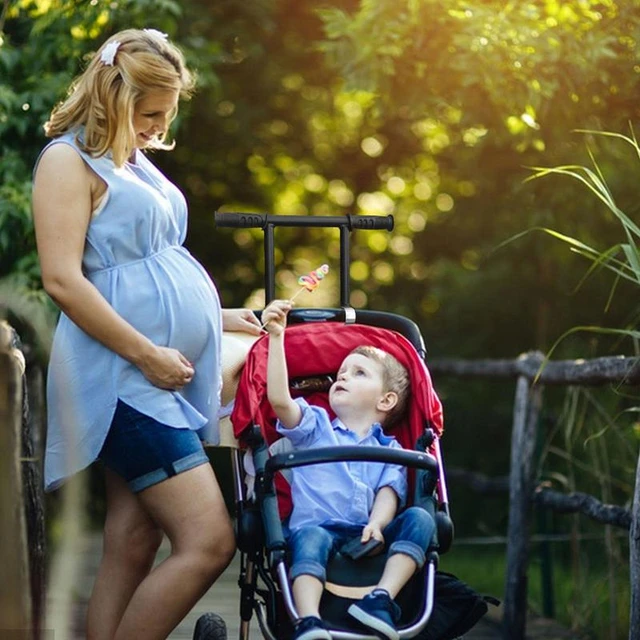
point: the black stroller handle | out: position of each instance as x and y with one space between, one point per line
404 457
268 222
261 220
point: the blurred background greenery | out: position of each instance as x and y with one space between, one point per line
433 110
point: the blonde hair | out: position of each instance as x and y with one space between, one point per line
395 377
103 97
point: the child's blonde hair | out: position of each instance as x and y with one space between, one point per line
103 97
395 378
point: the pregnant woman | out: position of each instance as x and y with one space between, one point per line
135 374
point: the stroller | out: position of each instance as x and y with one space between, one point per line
316 342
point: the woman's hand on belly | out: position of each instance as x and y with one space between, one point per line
166 368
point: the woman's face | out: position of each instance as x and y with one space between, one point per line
152 114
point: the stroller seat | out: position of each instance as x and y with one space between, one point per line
314 352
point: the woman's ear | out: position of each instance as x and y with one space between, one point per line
387 401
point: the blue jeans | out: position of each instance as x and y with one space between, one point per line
312 547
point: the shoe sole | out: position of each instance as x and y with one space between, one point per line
315 634
373 623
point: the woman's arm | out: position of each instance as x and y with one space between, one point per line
61 211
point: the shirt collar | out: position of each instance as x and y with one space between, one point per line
375 432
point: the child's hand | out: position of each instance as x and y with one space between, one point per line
372 530
274 317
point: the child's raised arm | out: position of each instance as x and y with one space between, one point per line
287 411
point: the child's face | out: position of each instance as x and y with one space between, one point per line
359 383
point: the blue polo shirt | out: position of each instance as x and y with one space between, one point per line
338 492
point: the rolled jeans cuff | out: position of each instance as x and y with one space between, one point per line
308 568
414 551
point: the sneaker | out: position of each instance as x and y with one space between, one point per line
378 612
310 628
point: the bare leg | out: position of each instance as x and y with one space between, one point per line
190 509
307 591
397 571
131 540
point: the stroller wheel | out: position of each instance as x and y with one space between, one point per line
210 626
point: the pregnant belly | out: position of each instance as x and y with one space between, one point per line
194 319
176 308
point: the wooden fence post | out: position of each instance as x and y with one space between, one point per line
525 418
634 561
15 600
33 431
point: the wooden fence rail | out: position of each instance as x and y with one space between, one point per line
532 372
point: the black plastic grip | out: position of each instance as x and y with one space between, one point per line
240 220
372 222
261 220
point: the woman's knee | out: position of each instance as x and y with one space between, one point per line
134 545
211 544
222 547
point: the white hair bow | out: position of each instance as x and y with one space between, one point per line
108 54
158 34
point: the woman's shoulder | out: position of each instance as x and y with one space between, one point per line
67 146
60 156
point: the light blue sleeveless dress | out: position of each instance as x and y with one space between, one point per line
135 258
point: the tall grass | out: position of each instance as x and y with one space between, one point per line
622 259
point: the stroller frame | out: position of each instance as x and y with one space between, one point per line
259 531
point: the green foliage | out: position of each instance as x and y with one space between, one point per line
430 110
43 45
514 63
40 45
493 85
443 151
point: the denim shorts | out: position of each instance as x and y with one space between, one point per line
145 452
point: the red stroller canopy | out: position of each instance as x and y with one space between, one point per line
315 349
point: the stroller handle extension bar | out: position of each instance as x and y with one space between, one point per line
262 220
267 222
